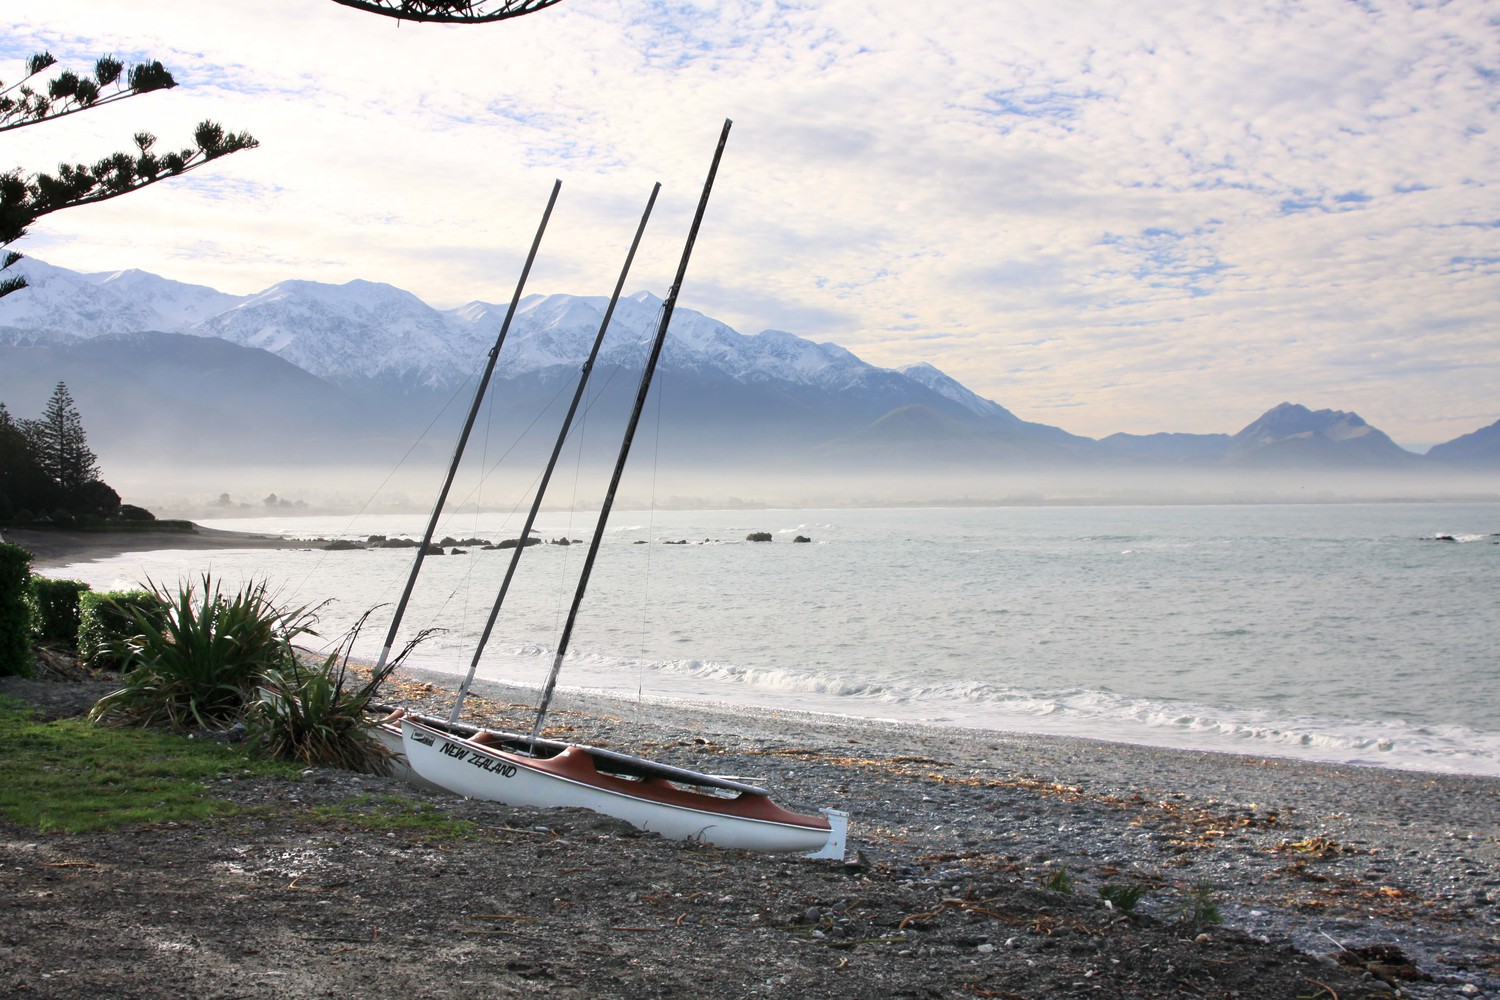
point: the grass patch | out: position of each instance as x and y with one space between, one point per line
68 776
1122 897
1058 881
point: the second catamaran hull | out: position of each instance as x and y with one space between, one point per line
749 822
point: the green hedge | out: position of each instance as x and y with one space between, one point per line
56 604
105 621
15 611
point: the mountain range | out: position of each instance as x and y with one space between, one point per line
304 370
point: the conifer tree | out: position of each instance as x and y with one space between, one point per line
60 447
23 484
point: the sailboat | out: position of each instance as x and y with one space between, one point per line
530 770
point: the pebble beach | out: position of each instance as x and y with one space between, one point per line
1318 857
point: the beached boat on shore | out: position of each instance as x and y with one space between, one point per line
533 771
674 802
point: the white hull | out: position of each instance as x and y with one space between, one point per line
720 812
389 734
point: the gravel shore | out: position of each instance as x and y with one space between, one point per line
975 865
1314 856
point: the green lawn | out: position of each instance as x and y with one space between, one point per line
71 776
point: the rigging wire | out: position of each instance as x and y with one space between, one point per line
354 518
474 491
578 434
640 671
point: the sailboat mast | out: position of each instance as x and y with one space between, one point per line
562 435
463 439
635 417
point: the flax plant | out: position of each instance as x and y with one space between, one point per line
318 714
196 663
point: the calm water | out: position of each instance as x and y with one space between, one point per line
1332 632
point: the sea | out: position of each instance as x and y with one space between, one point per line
1354 633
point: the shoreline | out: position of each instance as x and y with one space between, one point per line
1111 765
52 549
1105 732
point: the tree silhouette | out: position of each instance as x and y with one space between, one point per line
449 11
24 199
67 93
60 446
23 484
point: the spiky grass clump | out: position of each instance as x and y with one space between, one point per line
197 663
1122 897
319 714
1058 881
1199 907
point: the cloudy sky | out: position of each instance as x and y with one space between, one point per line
1107 217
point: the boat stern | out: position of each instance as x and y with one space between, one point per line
838 833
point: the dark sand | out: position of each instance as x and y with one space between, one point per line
50 549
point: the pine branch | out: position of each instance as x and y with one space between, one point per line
449 11
23 201
68 93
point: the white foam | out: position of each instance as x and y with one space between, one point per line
1078 712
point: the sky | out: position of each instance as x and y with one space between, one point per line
1156 216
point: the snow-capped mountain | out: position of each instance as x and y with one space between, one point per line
358 330
59 304
368 334
386 361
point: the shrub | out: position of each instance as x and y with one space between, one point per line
107 620
200 662
97 499
56 609
319 715
15 611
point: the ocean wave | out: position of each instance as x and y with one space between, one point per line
1074 712
1442 536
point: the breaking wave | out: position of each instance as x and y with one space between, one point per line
1075 712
